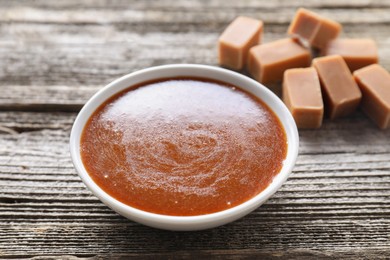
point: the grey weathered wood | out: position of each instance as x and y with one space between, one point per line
55 54
45 98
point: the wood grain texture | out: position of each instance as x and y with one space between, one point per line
336 202
54 55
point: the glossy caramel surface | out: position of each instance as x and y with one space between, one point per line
183 146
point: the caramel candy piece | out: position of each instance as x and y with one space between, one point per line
374 82
317 30
302 96
267 62
237 39
340 91
357 53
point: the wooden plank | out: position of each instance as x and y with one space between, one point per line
25 121
166 17
298 254
168 11
123 238
45 98
148 4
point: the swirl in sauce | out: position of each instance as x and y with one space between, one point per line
183 146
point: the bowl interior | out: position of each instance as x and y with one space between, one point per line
186 70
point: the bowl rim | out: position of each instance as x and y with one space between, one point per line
93 103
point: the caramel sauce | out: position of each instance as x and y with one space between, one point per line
183 146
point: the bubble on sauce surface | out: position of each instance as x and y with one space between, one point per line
191 140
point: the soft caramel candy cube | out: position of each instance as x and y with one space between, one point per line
313 28
235 42
341 93
267 62
357 53
374 82
302 96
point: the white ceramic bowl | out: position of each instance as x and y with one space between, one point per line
167 71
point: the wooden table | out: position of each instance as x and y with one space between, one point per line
55 54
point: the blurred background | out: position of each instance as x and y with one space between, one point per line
92 42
